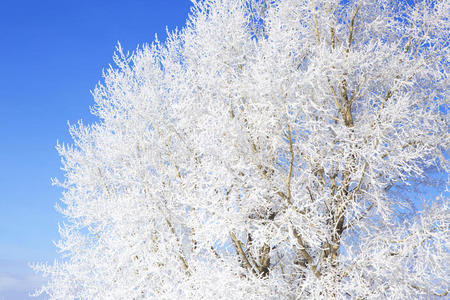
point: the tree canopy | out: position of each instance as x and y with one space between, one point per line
267 150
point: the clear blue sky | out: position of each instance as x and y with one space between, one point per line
52 54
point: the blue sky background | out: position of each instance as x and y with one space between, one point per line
52 54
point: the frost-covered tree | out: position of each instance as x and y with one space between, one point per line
268 150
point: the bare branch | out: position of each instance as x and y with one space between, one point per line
316 28
305 253
238 247
180 256
430 292
352 27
